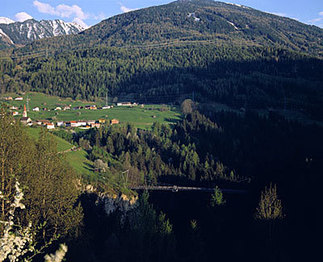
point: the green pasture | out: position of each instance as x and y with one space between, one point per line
138 116
45 101
76 159
62 144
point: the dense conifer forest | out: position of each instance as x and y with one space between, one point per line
251 77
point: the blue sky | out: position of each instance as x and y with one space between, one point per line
90 12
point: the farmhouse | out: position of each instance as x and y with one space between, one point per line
36 109
25 120
42 122
96 124
81 123
114 121
124 104
75 123
19 98
15 113
60 123
85 127
91 107
50 126
58 108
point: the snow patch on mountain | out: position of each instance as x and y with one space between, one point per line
196 19
5 38
6 20
30 30
242 6
236 28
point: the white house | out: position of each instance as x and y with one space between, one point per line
15 113
124 104
36 109
19 98
81 123
50 126
75 123
60 123
58 108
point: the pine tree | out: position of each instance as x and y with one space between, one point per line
270 207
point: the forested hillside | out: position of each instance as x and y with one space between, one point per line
197 20
240 77
206 50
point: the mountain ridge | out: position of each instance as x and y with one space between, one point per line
22 33
198 20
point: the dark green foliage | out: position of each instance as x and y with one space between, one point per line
217 197
181 154
240 77
48 183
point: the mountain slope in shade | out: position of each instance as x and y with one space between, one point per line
21 33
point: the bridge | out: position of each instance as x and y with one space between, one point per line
174 188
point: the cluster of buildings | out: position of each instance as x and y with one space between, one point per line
83 124
69 107
9 98
127 104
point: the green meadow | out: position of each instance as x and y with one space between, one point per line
62 145
138 116
76 159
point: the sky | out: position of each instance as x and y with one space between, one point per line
91 12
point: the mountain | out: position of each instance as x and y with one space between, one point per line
197 21
207 20
212 51
21 33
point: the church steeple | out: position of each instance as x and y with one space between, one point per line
24 114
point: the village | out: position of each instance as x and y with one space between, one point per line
50 124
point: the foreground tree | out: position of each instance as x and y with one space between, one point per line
270 206
270 210
14 152
188 106
48 184
51 192
217 197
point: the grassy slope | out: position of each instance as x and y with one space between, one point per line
62 144
76 159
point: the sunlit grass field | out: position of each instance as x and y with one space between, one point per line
76 159
138 116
